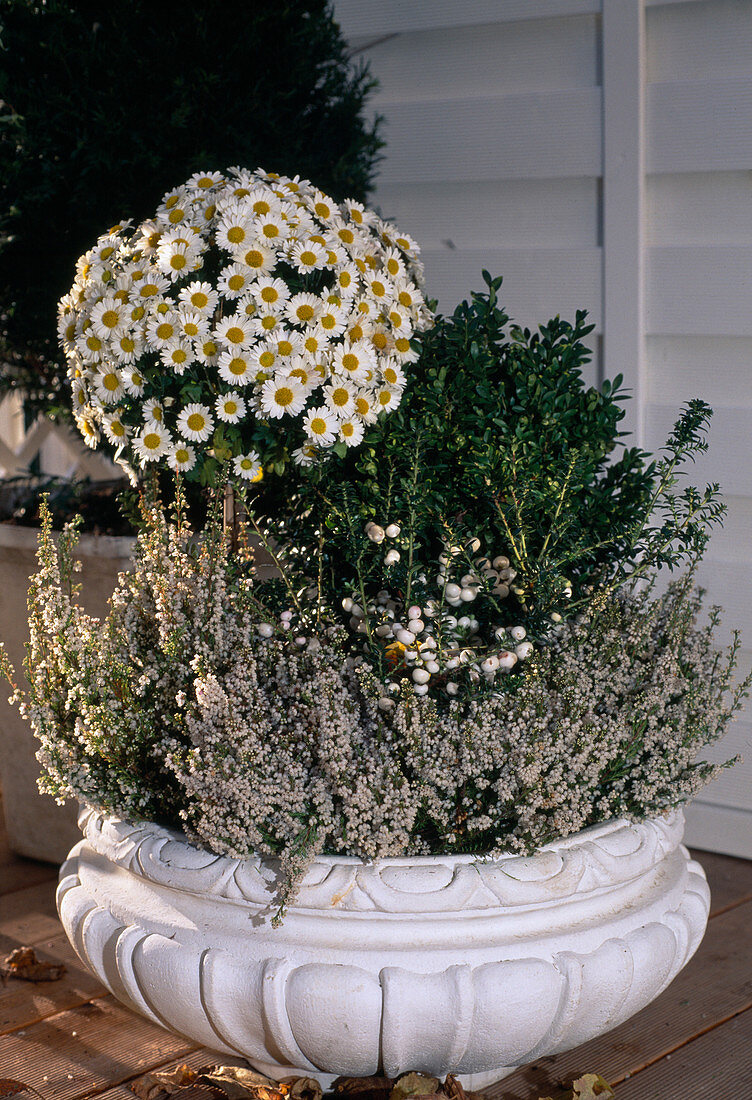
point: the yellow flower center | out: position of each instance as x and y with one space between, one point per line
405 299
176 216
148 290
171 202
111 381
236 235
266 359
165 330
209 348
308 258
181 455
392 266
93 343
238 366
261 207
311 344
196 422
356 333
178 261
402 344
137 313
283 396
199 299
340 397
379 341
350 361
152 441
191 328
231 407
127 343
304 312
110 318
322 209
210 211
204 183
346 235
271 231
179 356
236 282
347 428
254 257
328 320
345 279
318 425
284 347
235 335
117 428
385 398
269 294
361 404
268 323
378 288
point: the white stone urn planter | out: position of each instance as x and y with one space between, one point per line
440 964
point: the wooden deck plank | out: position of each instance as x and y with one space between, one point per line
729 879
714 985
24 1003
197 1059
717 1065
29 916
87 1050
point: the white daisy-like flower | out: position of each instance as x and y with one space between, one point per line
192 324
266 323
235 331
353 361
282 396
380 289
234 280
199 297
306 455
161 330
308 256
394 265
364 408
344 233
153 411
230 407
149 287
286 343
246 305
236 367
303 309
272 292
265 357
181 457
235 231
306 376
109 386
178 256
152 442
177 354
108 318
340 397
346 281
90 346
248 467
195 422
392 373
258 257
399 319
127 348
322 206
205 181
387 398
114 429
88 430
321 425
315 344
206 351
272 228
332 319
133 380
351 432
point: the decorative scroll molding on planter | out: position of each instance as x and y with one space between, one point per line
441 964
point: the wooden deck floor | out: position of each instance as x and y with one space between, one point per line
70 1039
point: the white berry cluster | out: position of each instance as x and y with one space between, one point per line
249 297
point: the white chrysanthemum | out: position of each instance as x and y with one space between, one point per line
272 292
152 442
265 358
308 256
364 408
195 422
133 381
204 181
392 373
116 431
248 466
387 398
236 367
177 354
235 231
234 332
230 407
321 425
192 324
109 318
161 329
332 319
353 362
181 457
153 411
206 351
178 256
303 309
109 386
306 455
234 280
272 228
151 286
282 396
351 432
257 257
286 343
340 397
200 297
127 348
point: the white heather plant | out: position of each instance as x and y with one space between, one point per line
252 320
199 704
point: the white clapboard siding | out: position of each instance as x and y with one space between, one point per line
597 154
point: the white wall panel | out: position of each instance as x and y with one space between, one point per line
694 127
557 213
716 368
699 290
703 41
713 208
530 136
367 17
729 456
493 59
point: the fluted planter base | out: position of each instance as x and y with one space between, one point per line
445 964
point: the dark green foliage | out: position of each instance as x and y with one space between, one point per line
498 438
107 106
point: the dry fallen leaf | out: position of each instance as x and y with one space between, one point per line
302 1088
414 1084
9 1087
353 1085
24 964
242 1084
163 1083
590 1087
